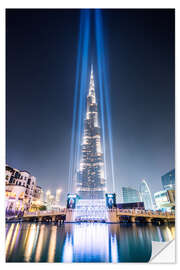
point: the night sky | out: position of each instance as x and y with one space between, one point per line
41 53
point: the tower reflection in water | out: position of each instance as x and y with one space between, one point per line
84 242
90 242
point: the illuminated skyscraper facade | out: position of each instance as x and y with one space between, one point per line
129 195
168 180
90 178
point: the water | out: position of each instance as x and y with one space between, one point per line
85 242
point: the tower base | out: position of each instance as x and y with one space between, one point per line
91 210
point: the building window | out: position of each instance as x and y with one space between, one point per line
11 179
17 175
29 181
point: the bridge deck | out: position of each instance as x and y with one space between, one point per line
117 212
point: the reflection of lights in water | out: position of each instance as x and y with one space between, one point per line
114 249
89 241
7 229
14 238
40 244
68 249
172 229
159 234
52 244
26 236
30 245
85 242
168 234
9 236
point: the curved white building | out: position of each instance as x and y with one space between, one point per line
145 195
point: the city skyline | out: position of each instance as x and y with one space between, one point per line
39 108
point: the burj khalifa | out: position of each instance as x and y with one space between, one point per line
91 183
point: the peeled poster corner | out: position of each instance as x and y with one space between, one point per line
163 252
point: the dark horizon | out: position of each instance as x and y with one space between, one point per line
41 51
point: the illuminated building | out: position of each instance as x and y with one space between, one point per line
58 193
145 194
38 194
48 194
165 199
129 195
90 179
21 189
168 180
51 200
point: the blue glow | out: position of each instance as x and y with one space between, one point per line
103 79
83 82
101 97
79 104
80 98
72 147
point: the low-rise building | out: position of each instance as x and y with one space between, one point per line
165 200
21 189
38 194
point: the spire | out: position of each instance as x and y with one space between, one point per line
91 86
92 71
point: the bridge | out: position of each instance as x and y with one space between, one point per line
134 215
113 215
46 216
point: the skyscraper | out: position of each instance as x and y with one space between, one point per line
129 195
168 180
145 194
90 178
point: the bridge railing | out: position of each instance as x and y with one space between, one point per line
145 212
47 212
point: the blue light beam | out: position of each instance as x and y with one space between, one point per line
103 77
